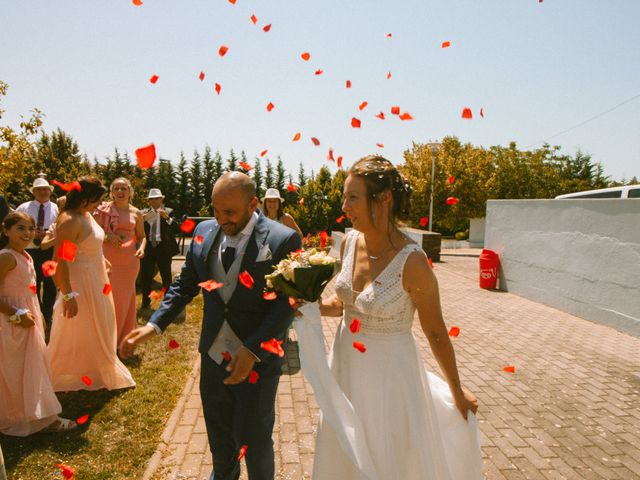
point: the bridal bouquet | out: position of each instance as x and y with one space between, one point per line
303 274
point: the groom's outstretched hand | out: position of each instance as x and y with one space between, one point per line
240 366
135 338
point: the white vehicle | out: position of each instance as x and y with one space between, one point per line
627 191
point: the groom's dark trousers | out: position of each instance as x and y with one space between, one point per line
243 414
238 415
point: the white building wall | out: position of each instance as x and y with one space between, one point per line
581 256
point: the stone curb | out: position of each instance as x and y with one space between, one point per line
165 439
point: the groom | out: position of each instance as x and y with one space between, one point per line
237 319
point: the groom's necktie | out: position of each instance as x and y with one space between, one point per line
228 256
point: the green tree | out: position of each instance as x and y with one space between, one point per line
257 178
17 150
302 178
232 162
182 194
196 190
269 179
281 176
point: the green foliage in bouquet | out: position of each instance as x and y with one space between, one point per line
320 241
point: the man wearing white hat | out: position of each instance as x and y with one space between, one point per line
44 212
160 228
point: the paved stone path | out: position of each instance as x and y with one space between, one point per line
570 411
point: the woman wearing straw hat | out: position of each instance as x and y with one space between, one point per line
272 202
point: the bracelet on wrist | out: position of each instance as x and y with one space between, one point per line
68 296
15 318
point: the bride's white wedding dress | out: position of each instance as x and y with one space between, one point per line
383 415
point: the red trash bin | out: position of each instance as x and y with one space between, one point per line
489 265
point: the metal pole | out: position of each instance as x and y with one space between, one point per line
433 169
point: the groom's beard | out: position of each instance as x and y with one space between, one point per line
232 229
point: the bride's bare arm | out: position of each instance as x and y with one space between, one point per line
332 306
421 284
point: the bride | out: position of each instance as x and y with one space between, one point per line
404 422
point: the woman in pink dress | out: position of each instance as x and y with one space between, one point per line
123 226
28 402
83 336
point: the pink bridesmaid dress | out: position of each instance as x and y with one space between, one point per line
83 348
28 402
125 266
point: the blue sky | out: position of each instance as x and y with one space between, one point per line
536 69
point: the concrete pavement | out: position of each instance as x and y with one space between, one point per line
570 411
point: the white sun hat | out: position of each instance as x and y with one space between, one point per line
272 193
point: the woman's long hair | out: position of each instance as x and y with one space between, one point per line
91 190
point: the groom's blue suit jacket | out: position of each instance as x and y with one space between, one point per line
252 318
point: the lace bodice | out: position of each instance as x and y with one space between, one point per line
383 307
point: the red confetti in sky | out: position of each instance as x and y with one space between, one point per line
222 51
106 290
301 201
270 106
263 153
330 155
381 145
355 123
188 225
201 76
146 156
388 75
273 346
296 137
233 2
291 187
67 187
154 79
254 19
266 28
306 56
388 35
446 44
466 113
218 88
137 3
210 285
315 141
67 251
246 279
360 347
348 83
482 112
395 110
323 239
319 72
363 105
243 451
355 325
83 419
380 116
339 162
406 116
49 268
245 165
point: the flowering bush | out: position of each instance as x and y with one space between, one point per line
319 241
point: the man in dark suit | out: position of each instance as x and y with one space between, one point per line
159 227
237 319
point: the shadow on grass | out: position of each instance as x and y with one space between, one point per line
76 405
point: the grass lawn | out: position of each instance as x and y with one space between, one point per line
124 427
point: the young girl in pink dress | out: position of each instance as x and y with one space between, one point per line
28 402
124 244
83 334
